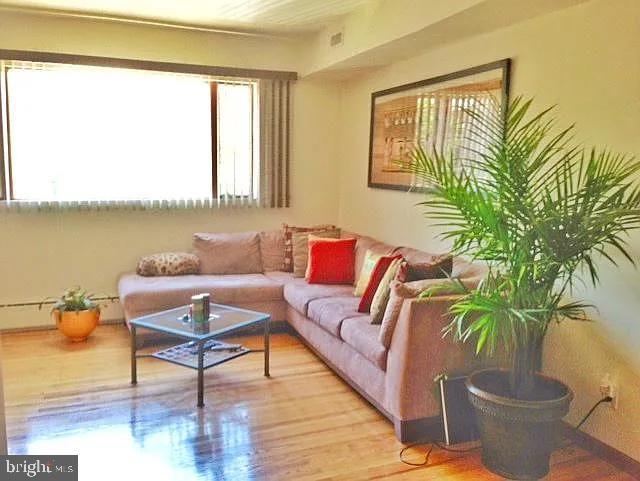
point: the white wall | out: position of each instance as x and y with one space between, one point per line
584 59
42 253
111 39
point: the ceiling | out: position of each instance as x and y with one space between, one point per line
279 17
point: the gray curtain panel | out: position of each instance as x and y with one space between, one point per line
275 134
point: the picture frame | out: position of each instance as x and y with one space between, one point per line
425 112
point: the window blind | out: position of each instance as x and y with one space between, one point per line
80 112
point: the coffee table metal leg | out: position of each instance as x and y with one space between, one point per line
200 374
266 347
134 364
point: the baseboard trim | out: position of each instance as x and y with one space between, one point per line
51 327
275 327
608 453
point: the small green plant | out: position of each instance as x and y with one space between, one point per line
73 299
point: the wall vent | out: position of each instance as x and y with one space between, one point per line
335 39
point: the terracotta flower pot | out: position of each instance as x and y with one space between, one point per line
76 325
518 436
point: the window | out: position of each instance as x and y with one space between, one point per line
81 133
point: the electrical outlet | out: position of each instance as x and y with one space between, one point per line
336 39
608 389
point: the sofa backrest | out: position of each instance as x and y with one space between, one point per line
272 249
272 252
364 244
461 267
466 269
228 253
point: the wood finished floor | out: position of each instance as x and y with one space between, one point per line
302 424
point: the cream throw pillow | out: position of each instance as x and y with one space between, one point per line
381 297
300 244
370 260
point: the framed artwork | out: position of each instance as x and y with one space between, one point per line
431 113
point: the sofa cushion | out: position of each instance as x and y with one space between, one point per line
368 265
281 277
272 249
287 232
348 362
381 297
368 243
374 281
299 294
463 268
168 264
416 256
330 312
331 261
300 246
398 293
139 293
437 268
360 334
237 253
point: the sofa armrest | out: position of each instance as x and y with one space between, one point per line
418 353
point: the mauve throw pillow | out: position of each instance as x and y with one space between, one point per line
287 232
228 253
439 267
300 245
331 261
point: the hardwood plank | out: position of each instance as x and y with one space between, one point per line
304 423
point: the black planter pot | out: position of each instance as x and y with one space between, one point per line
518 436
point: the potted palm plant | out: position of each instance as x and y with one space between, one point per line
541 212
76 314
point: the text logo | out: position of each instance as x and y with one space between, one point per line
32 467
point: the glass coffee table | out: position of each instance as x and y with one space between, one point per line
201 351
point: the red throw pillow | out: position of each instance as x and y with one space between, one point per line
376 276
331 261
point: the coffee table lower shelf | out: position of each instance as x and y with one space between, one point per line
187 354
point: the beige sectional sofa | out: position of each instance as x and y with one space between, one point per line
398 379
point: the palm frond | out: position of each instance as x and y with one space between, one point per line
520 195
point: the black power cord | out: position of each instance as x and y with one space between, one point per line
433 445
606 399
